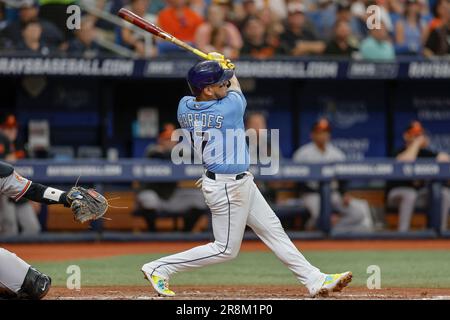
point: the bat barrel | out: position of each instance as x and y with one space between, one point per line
150 27
141 23
129 16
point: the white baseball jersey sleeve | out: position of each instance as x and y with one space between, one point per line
14 185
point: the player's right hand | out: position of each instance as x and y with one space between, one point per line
422 141
220 58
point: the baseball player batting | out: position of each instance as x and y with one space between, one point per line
19 280
228 188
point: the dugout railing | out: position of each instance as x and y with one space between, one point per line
99 173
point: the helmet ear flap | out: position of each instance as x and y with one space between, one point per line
194 90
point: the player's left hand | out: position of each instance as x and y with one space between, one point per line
220 58
86 204
443 157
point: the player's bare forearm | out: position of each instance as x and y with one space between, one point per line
410 154
235 86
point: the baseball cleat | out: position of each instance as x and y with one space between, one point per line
160 284
333 283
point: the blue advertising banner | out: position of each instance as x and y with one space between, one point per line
428 102
274 99
127 170
284 68
356 111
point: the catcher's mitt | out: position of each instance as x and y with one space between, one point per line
86 204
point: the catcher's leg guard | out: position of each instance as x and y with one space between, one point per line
35 285
6 294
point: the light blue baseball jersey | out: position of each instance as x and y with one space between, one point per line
220 124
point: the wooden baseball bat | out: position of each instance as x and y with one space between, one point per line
157 31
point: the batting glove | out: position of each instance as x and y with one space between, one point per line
220 58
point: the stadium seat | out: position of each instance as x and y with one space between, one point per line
89 152
291 216
62 153
387 216
418 220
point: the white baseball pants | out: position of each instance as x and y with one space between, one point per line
12 271
14 215
235 204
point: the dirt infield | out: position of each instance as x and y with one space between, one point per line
67 251
239 293
72 251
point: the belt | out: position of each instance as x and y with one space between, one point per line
212 175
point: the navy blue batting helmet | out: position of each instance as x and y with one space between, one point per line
206 73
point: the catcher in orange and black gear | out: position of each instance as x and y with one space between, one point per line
17 278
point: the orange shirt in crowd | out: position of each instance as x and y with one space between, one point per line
435 23
182 28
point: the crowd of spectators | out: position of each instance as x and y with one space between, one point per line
259 29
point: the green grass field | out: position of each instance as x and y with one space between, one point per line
428 269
